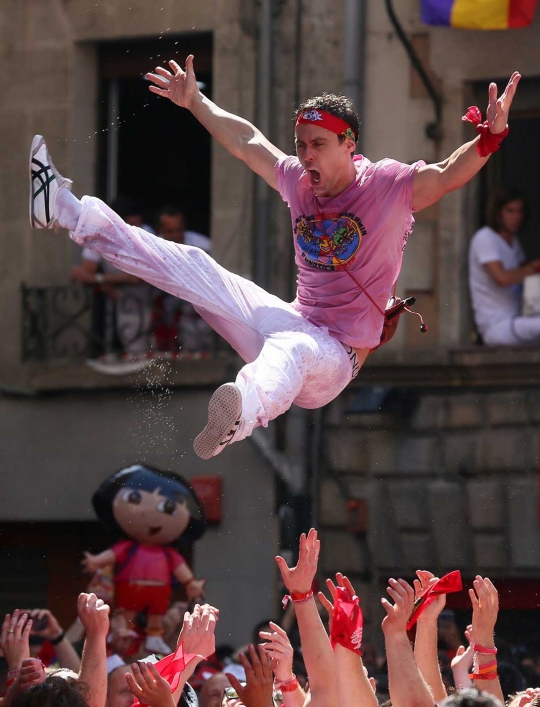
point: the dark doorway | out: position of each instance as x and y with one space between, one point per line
516 163
151 150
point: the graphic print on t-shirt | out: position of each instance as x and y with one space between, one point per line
329 241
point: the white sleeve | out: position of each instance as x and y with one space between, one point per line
91 255
486 248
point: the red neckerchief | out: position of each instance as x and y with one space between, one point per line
448 584
347 621
171 668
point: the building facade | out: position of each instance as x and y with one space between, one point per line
430 458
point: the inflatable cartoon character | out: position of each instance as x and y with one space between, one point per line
151 510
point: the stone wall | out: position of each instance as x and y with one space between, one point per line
451 482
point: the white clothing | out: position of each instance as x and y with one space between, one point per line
496 308
288 358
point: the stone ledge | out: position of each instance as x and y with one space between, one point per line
459 367
68 375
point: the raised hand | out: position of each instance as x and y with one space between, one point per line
257 692
198 630
52 628
341 581
177 85
463 660
424 581
397 615
15 639
299 579
32 673
498 108
147 685
279 648
485 602
94 614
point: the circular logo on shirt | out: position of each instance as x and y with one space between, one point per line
329 241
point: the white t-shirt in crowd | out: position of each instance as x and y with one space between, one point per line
492 303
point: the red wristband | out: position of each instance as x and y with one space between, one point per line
486 667
287 685
489 142
487 676
297 598
477 648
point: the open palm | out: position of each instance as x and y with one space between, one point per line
498 108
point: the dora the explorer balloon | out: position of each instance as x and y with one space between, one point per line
151 510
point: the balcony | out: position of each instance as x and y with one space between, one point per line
86 337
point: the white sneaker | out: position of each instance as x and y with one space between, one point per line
224 417
45 183
156 644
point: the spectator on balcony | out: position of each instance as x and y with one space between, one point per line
497 269
176 325
125 321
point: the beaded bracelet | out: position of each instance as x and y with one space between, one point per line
297 598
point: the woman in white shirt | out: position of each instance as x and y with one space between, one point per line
497 269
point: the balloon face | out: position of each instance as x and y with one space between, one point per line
150 518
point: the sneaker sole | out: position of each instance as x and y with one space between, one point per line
224 409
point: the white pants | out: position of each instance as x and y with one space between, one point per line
519 330
288 358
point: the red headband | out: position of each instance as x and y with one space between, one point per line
314 116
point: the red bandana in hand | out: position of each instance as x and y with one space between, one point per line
488 142
347 622
171 668
448 584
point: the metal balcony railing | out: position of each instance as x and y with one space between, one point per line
82 322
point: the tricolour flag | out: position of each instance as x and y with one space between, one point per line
479 14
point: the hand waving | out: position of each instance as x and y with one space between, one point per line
397 615
498 108
279 648
198 630
147 685
299 579
485 602
177 85
15 639
342 581
257 692
424 581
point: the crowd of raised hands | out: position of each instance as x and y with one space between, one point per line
336 676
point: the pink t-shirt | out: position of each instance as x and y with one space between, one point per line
363 230
147 562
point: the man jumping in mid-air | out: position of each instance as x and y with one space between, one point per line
351 220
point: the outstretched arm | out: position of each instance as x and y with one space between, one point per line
238 136
485 602
316 648
354 686
425 644
435 180
407 687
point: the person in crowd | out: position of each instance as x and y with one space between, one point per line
176 325
333 659
497 269
126 315
211 693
